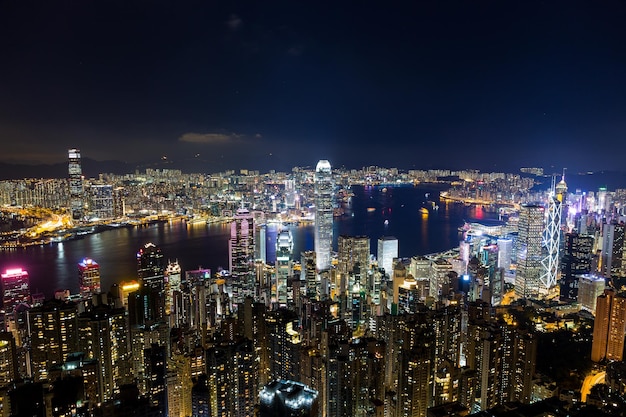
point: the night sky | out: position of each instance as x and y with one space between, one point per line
493 85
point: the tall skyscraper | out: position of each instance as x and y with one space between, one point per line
529 251
284 267
552 241
613 260
151 267
576 261
89 276
76 184
323 214
387 250
241 255
15 288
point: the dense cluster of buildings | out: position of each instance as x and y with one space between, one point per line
321 333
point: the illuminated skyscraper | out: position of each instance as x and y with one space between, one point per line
613 244
552 240
151 267
353 252
387 251
89 276
241 255
529 251
576 261
172 284
15 288
308 275
323 214
76 184
284 267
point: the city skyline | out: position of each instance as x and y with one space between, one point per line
229 87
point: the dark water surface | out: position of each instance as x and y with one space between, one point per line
372 211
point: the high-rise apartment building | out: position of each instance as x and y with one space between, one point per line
76 184
324 196
590 287
529 251
101 201
609 327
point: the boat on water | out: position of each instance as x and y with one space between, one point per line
423 210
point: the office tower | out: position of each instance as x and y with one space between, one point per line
89 277
529 251
53 331
151 267
101 202
505 253
260 243
609 327
172 278
324 197
552 242
76 184
576 261
289 399
419 268
353 255
590 287
613 260
284 267
241 256
387 251
308 275
103 336
15 288
290 193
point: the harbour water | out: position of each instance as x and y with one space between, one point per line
414 215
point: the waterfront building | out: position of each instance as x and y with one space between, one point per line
151 267
89 277
323 189
387 252
529 251
15 288
609 327
76 185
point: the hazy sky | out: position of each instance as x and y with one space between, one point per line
262 84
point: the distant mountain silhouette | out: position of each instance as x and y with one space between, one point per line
91 168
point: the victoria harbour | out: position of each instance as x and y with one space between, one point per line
414 215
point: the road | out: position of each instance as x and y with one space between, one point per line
589 382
